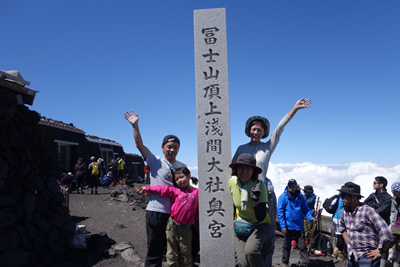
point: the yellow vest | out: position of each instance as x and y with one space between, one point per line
120 164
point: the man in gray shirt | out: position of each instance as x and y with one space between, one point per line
158 208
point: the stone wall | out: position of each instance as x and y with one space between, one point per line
35 226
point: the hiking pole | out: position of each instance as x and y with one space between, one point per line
313 226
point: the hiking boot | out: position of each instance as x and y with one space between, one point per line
91 192
342 256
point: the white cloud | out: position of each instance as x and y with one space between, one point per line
327 178
193 170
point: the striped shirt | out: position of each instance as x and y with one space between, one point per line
366 230
80 168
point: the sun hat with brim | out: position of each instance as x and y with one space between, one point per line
257 118
351 189
308 189
246 159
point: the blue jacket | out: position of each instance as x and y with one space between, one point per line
311 203
106 180
339 210
291 211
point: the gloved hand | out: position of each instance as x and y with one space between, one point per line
256 192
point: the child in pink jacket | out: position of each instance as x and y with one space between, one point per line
184 213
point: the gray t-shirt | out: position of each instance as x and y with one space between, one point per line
263 150
160 174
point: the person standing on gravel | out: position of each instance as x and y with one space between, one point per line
159 208
292 208
257 128
365 232
80 174
94 172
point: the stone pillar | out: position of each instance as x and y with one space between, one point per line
213 138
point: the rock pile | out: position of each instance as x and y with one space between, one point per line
127 194
35 226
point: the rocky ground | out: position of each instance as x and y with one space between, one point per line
116 231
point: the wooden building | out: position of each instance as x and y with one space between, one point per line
72 143
67 141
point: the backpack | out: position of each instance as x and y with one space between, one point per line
95 169
322 243
372 201
331 204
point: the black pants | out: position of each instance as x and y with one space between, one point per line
156 222
340 244
300 239
80 180
93 181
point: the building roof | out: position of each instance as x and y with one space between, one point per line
12 80
72 128
60 125
100 140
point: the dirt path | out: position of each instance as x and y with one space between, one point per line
121 221
125 221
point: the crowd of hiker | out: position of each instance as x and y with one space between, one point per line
363 233
93 175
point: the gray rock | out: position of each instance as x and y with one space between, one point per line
111 253
130 255
123 198
123 246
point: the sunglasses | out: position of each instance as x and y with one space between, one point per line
292 185
343 195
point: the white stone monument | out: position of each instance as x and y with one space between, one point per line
213 138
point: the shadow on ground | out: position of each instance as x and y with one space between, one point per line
77 219
97 246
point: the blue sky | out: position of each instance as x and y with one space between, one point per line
92 60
